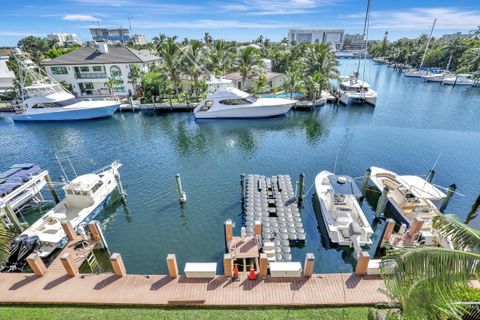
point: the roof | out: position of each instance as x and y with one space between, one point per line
4 71
88 55
83 183
236 76
344 185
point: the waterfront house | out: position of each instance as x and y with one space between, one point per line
7 76
87 70
275 80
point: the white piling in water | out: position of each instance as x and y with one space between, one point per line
182 196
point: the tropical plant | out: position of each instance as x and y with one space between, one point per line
133 77
249 63
193 64
5 237
295 74
110 84
431 282
171 53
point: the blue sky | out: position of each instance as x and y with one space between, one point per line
233 20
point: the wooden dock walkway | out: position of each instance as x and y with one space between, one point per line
157 290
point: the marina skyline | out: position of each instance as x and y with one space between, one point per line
240 20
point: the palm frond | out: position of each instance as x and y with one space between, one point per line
5 237
461 235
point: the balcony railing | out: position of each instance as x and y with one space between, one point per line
95 75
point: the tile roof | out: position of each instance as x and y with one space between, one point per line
87 55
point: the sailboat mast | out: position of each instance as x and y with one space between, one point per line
428 42
363 36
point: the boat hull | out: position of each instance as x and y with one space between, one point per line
245 112
348 100
69 114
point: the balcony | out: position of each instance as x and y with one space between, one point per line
93 75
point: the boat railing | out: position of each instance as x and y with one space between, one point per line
115 165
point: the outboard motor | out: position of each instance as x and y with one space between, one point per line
20 248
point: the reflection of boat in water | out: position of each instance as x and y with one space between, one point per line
46 100
343 217
225 101
85 197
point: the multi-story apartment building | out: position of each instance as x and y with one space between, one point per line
64 39
110 35
330 36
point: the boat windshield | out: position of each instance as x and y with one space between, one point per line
251 99
57 104
236 102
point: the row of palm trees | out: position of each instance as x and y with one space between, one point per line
309 68
460 54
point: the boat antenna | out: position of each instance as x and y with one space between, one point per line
63 170
336 159
428 42
367 14
75 172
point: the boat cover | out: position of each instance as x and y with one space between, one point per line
344 185
16 176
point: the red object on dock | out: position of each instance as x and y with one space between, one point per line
235 271
252 275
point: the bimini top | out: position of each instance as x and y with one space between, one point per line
420 188
227 93
344 185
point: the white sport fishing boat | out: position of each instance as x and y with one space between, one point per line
459 80
409 196
44 99
352 89
343 217
225 101
85 197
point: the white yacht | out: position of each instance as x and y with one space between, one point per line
85 197
44 99
415 73
435 77
410 196
225 101
354 90
343 217
459 80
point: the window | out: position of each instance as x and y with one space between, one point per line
59 70
234 102
97 186
69 191
97 68
85 69
116 73
88 85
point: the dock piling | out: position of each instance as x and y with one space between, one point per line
366 179
172 265
228 230
263 265
117 265
300 187
415 227
387 233
96 232
473 213
68 229
450 192
308 265
382 203
228 265
51 187
182 196
362 263
68 264
242 187
37 265
430 175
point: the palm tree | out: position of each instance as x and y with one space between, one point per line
295 74
454 47
110 84
194 60
249 63
430 282
5 237
133 77
170 53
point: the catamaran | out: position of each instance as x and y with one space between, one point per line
351 89
343 217
459 80
225 101
44 99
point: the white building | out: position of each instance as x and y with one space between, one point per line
331 36
138 39
64 39
275 80
451 36
7 76
353 41
88 70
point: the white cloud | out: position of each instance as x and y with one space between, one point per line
278 7
210 24
79 17
19 34
422 18
111 3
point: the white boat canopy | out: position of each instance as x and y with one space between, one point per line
228 93
421 188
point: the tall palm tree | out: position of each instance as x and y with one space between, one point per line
220 58
193 62
170 53
110 84
430 282
454 47
295 75
249 63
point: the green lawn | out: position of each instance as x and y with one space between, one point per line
104 313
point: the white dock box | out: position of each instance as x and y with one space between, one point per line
200 269
285 269
373 267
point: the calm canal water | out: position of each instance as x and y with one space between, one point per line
412 124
